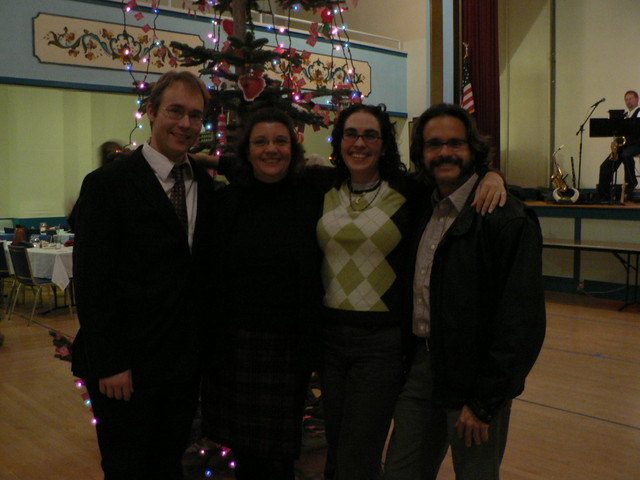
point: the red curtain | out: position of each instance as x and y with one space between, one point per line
480 31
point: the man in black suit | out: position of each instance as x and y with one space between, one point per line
623 155
139 233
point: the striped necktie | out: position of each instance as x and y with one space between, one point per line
177 195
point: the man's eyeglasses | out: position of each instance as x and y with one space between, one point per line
435 145
177 113
368 137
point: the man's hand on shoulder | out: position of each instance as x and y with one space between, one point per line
118 386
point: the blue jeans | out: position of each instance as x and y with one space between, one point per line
423 433
361 379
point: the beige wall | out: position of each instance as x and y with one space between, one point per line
596 52
410 27
596 56
597 44
525 86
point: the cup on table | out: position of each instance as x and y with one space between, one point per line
35 240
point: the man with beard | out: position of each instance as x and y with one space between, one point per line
478 311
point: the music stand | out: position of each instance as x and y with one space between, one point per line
619 127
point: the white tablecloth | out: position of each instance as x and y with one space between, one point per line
53 263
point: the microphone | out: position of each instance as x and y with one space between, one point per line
556 152
598 102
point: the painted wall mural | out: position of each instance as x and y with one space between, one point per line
89 43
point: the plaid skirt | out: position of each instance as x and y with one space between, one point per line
254 392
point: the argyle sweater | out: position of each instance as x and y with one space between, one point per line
365 252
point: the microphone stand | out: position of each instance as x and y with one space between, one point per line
581 132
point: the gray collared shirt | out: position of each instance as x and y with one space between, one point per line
445 211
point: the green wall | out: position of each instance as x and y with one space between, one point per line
50 143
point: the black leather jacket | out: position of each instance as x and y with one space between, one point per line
487 307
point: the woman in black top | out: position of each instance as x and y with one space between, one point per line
266 296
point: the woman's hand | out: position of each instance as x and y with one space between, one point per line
491 193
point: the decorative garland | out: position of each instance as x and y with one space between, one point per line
225 5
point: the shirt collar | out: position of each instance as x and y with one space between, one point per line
459 197
161 165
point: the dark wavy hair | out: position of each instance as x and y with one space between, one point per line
242 169
390 164
478 144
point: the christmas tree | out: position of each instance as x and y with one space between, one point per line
245 74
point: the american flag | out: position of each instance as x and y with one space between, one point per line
467 92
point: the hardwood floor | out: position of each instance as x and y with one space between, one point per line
579 417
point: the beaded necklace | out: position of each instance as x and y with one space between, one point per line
359 195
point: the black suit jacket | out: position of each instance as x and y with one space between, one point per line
135 277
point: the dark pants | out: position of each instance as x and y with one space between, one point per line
145 437
609 167
361 379
251 467
424 431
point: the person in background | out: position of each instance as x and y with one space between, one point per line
623 154
364 231
263 340
478 310
137 267
107 152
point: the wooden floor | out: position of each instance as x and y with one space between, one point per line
579 417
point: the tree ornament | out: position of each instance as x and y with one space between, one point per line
252 84
327 15
227 26
222 129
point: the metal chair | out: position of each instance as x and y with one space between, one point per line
5 274
24 277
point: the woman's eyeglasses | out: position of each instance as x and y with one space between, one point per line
352 136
